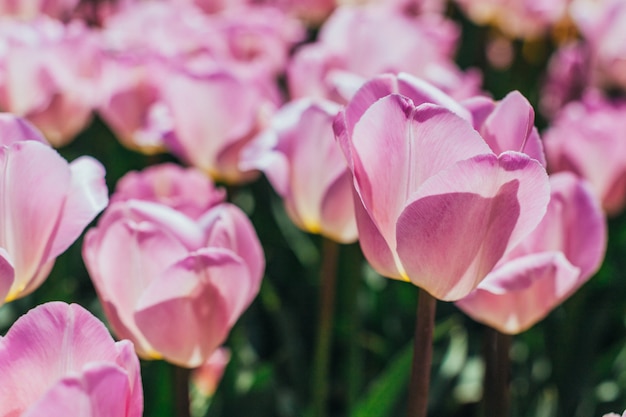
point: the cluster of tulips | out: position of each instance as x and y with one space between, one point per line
361 121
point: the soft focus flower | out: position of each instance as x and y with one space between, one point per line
587 138
58 9
171 283
48 75
207 376
59 360
46 205
516 18
434 204
615 415
300 157
550 264
357 43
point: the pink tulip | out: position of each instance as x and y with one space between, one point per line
47 75
615 415
587 138
357 43
47 204
299 155
207 377
58 9
434 204
59 360
549 265
173 284
516 18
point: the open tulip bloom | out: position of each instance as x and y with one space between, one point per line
47 202
549 265
172 284
59 360
434 204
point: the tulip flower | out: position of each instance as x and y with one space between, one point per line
549 265
59 360
173 284
587 139
48 75
47 204
58 9
300 157
434 204
357 43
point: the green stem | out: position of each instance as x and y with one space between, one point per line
422 355
181 391
328 278
497 373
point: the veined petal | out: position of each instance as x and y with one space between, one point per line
471 213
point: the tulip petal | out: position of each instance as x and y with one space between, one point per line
88 195
36 180
207 291
523 291
101 391
43 346
337 210
510 127
416 142
122 248
471 213
7 275
14 129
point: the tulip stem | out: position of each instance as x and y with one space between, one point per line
181 391
422 355
328 278
497 372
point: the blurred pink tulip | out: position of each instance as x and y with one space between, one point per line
428 190
59 360
173 284
357 43
48 75
549 265
47 204
615 415
587 139
207 377
58 9
516 18
301 159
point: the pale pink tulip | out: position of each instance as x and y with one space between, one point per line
47 204
300 157
59 360
173 284
615 415
587 139
207 377
549 265
48 75
186 190
357 43
434 204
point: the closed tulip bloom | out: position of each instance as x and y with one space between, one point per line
549 265
47 204
300 157
59 360
434 204
172 284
